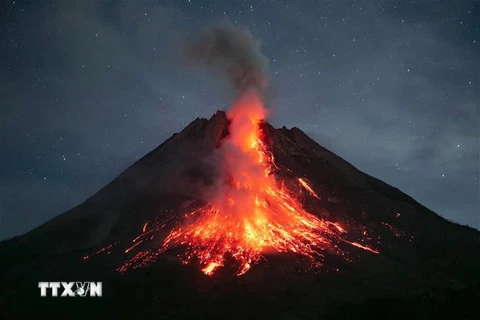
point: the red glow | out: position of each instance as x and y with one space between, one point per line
249 215
253 213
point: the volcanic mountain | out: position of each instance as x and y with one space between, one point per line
325 240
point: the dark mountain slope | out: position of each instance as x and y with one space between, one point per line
420 253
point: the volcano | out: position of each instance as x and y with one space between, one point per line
176 235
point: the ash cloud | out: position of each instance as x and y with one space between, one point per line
235 51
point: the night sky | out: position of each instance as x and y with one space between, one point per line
87 88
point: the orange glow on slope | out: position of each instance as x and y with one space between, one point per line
358 245
136 244
307 187
251 213
210 268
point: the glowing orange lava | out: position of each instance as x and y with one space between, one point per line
248 215
304 184
251 213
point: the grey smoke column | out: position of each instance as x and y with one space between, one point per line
235 50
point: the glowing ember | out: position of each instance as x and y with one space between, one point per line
106 249
136 244
210 268
304 184
358 245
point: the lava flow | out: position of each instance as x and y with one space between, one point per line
251 213
248 215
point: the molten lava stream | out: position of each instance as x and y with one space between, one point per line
253 213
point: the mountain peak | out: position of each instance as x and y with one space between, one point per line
219 115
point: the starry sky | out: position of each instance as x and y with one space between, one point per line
87 88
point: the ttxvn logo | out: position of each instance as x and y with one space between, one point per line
71 289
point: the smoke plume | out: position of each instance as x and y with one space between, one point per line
234 50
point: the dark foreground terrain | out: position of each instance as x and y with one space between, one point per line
427 267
